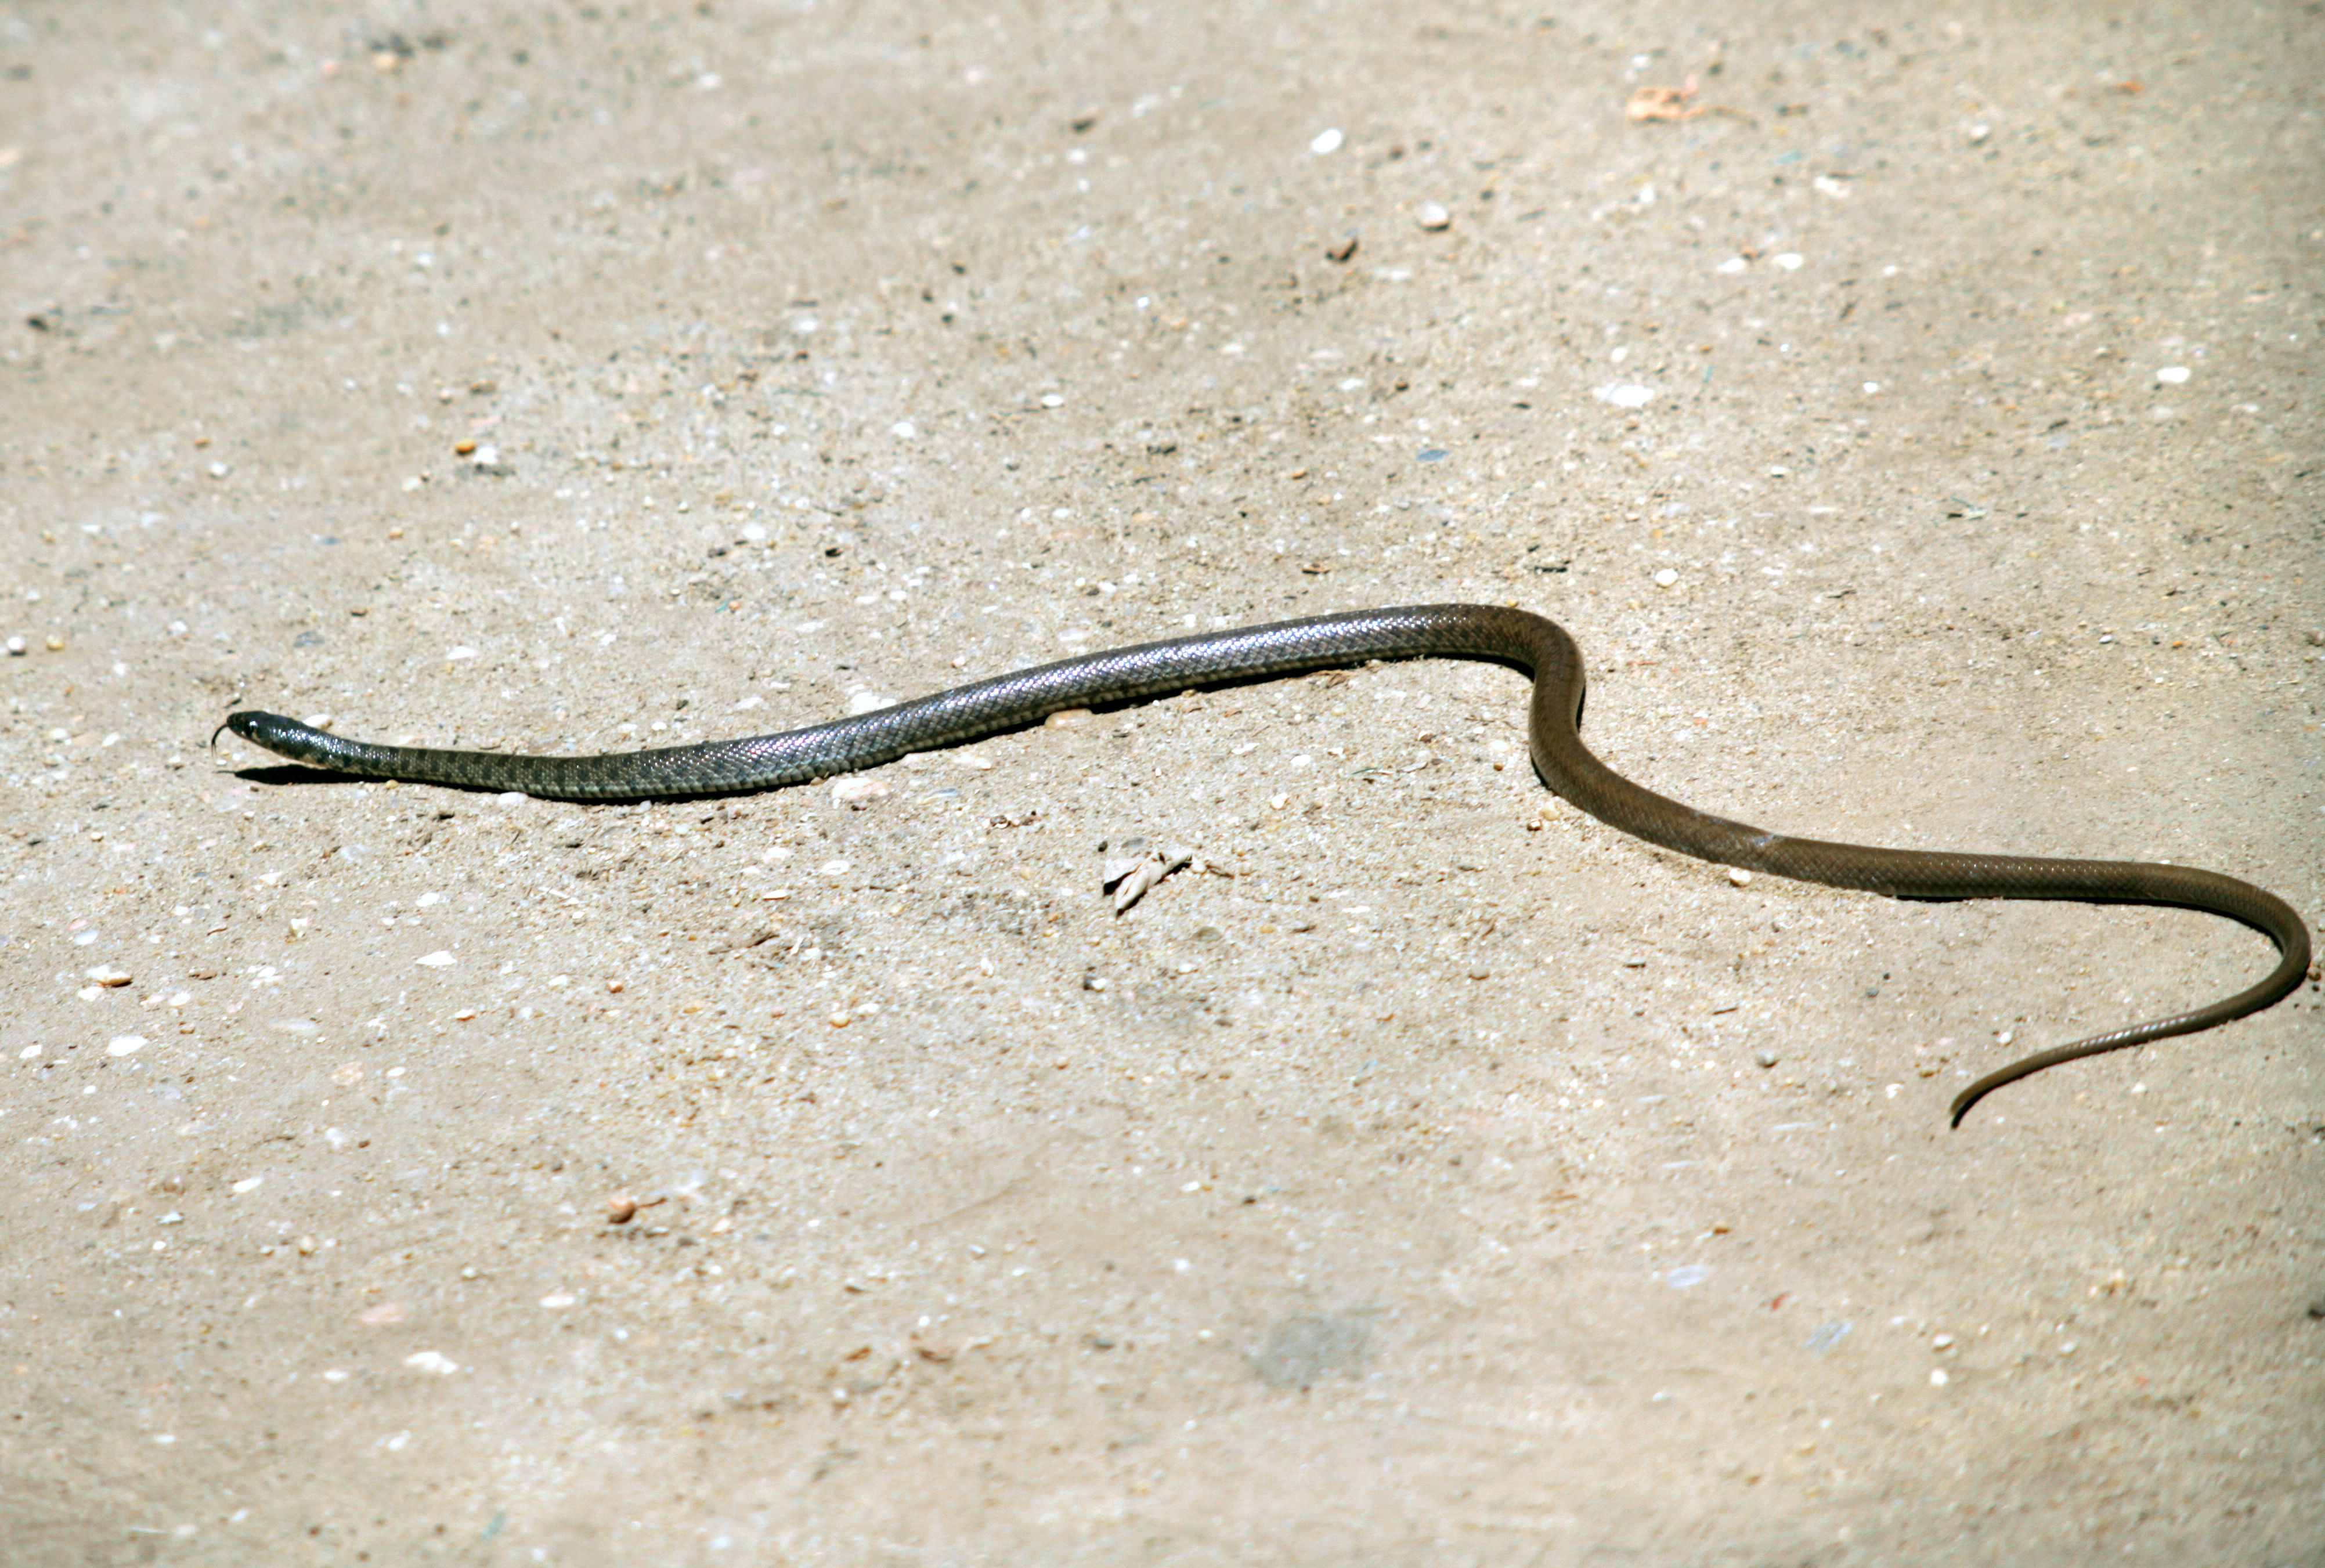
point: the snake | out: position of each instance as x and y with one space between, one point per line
1491 634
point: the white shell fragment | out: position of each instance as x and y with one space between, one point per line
1133 868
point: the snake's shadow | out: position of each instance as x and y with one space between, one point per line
293 773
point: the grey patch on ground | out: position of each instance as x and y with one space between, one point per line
1300 1352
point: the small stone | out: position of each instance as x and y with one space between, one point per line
439 959
125 1045
55 644
1790 261
1432 216
1739 877
16 645
107 975
431 1361
1937 1377
1666 578
2173 374
1765 1057
1326 143
621 1209
1942 1342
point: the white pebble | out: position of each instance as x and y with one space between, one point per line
1625 395
556 1299
1053 400
248 1184
1431 214
1666 578
439 959
431 1361
833 869
1790 261
1739 877
1937 1377
2173 374
1327 141
461 653
1871 387
1732 265
511 798
904 429
123 1045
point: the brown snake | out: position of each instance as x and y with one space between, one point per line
1462 631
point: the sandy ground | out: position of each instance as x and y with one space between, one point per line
1921 442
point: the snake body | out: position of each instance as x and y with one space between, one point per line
1488 633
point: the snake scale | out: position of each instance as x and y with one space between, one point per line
1488 633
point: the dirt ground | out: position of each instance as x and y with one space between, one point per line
1915 417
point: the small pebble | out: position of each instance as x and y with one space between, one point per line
107 975
1765 1057
1732 265
1937 1377
1326 141
439 959
621 1209
125 1045
1666 578
1625 395
2173 374
16 645
1942 1342
431 1361
1790 261
1739 877
1432 216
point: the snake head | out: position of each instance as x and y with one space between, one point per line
276 733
